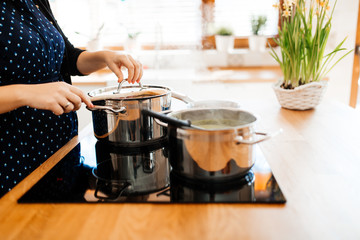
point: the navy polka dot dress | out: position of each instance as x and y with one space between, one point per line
31 53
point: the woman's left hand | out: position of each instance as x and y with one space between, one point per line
115 61
89 62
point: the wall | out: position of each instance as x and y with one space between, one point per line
344 24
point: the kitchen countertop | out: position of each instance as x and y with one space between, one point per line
316 161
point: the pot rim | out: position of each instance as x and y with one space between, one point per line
227 129
108 93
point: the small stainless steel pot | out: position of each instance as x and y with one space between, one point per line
214 155
117 119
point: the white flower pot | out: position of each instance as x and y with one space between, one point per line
94 44
132 44
224 43
257 43
303 97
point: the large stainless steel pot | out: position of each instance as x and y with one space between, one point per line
214 154
117 119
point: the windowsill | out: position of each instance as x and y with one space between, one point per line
204 58
210 75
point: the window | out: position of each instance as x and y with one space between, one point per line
238 13
161 23
175 22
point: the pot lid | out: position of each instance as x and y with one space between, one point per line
128 92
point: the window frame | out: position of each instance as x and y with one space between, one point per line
208 42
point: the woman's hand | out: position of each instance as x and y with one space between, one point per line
58 97
89 62
115 61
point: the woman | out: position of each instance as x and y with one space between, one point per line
37 100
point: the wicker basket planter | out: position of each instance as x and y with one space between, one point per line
303 97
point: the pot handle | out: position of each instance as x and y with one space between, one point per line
120 190
116 110
263 137
182 97
161 123
173 121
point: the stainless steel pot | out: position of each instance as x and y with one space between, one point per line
214 155
117 119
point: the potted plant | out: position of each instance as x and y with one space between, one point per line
303 34
224 39
257 42
132 43
94 43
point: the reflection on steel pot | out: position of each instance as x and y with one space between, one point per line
117 118
224 151
185 190
134 171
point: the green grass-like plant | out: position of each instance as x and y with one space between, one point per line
303 34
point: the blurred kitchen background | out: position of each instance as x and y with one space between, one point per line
174 39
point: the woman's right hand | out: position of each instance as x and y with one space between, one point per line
58 97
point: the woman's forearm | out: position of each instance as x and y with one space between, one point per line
11 97
58 97
89 62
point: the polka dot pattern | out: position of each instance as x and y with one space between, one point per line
32 52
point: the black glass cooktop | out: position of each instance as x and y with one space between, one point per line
94 172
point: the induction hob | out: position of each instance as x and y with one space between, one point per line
93 172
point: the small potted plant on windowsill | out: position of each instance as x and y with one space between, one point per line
303 34
94 43
132 41
224 39
257 42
